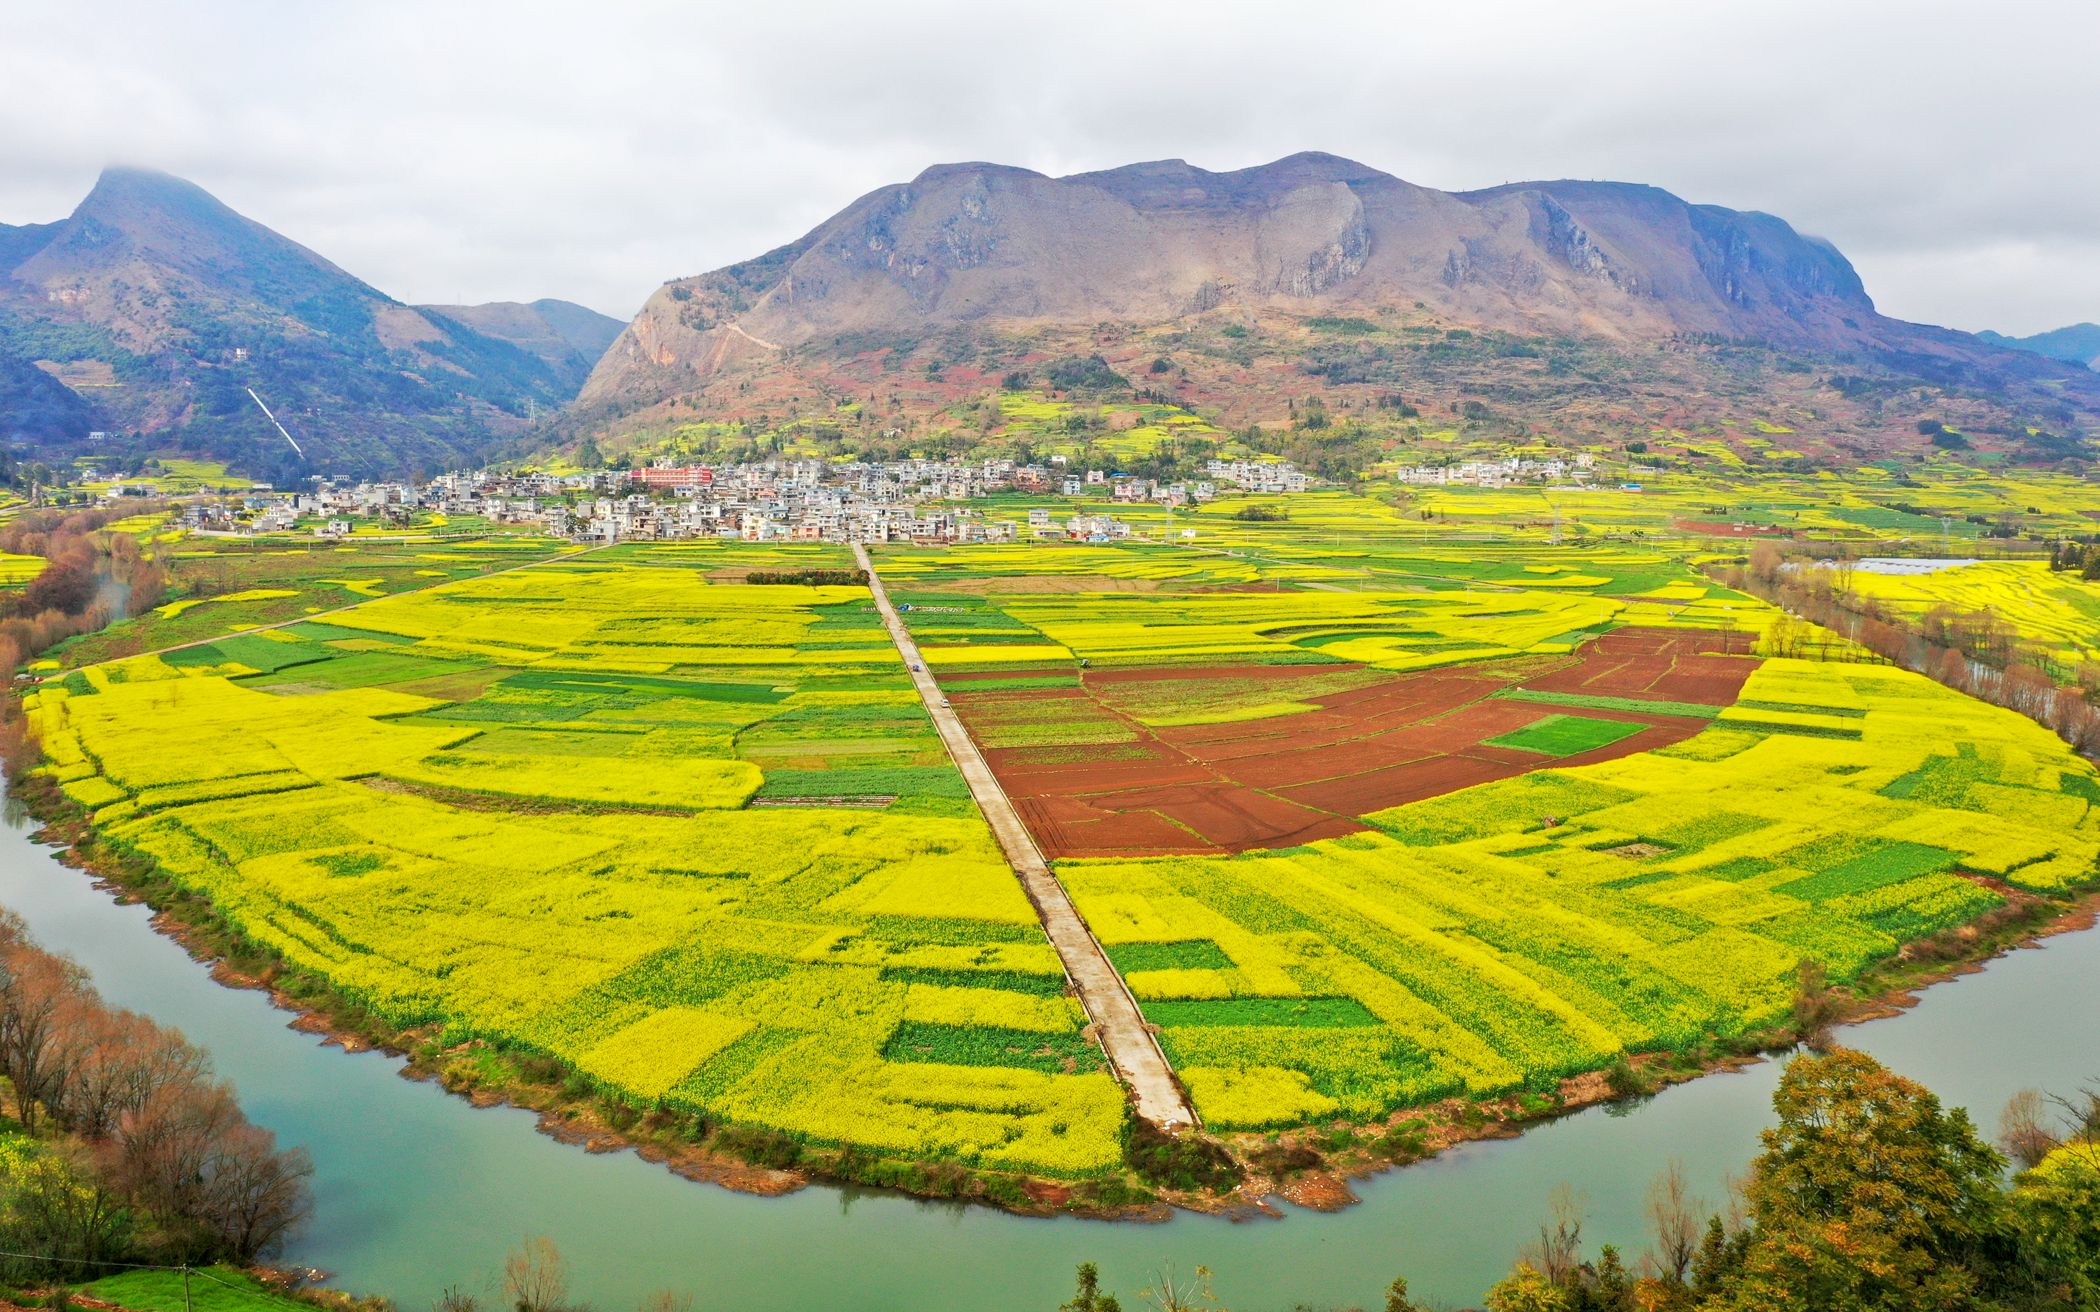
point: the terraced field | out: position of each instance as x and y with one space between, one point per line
2055 615
1225 758
1366 814
1360 851
697 840
1517 932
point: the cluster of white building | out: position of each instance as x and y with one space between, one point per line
1499 473
1260 475
782 500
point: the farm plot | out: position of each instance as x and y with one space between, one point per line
17 570
218 587
1390 630
1530 928
1180 759
697 840
2053 614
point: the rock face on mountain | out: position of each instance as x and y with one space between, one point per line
566 337
1312 234
155 307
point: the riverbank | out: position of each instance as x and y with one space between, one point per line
415 1190
569 1107
1312 1167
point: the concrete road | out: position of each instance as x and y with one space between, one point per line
1133 1050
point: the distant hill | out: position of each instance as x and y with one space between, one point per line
155 307
2078 344
566 337
1313 273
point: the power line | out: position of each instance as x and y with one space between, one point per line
186 1270
273 419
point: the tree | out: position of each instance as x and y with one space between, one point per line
1610 1284
37 1006
58 1207
1816 1005
535 1277
1396 1299
256 1195
1719 1257
1869 1197
1766 561
1192 1295
1559 1248
2023 1130
1088 1296
2058 1239
1673 1218
1527 1290
455 1299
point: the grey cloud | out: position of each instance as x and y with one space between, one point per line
512 150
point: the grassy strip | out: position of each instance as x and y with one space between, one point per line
1598 702
1565 735
209 1289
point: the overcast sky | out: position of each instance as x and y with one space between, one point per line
506 151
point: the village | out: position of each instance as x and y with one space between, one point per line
774 501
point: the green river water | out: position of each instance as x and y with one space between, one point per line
416 1190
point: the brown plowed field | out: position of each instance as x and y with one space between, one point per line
1295 778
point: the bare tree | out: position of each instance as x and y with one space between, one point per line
455 1299
255 1196
1558 1250
1167 1294
1816 1005
535 1276
37 995
1675 1217
2023 1129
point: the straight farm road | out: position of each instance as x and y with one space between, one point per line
1133 1050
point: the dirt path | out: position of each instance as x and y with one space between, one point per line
1132 1048
755 341
337 610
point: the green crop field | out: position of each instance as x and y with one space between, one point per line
1564 735
698 841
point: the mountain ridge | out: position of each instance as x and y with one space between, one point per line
2077 343
989 256
568 338
157 306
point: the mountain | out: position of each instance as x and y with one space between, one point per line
1313 271
2077 344
566 337
156 307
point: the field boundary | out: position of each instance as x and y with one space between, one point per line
337 610
1133 1049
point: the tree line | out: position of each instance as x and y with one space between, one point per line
92 578
2080 558
1972 652
139 1153
812 578
1869 1196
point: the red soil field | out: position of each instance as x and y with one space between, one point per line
1296 778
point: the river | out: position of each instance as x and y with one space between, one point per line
415 1189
